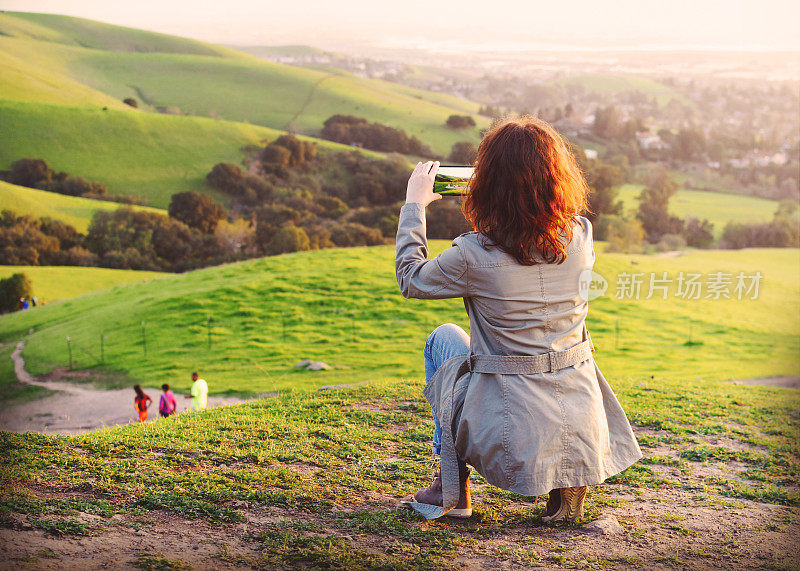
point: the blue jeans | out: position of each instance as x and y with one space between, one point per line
446 341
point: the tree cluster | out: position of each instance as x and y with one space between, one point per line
358 131
35 173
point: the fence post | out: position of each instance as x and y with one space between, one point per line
144 340
69 348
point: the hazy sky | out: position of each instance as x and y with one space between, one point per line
744 24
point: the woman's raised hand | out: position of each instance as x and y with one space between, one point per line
420 184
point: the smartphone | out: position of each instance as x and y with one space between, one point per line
451 179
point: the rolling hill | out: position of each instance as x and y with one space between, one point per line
147 154
73 210
716 207
53 283
343 307
89 63
605 83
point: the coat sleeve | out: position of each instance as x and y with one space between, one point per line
442 277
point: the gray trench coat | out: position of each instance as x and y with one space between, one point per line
528 408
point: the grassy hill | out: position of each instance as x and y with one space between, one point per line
74 210
343 307
717 207
53 283
311 478
146 154
605 83
87 61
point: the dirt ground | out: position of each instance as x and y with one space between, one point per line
748 535
74 408
673 527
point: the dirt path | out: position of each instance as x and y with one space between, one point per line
78 408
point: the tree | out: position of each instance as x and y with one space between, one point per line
290 238
463 153
623 235
196 210
351 234
460 121
12 289
299 151
654 204
32 172
603 180
698 233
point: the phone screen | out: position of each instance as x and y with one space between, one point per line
452 179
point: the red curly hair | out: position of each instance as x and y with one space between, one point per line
526 190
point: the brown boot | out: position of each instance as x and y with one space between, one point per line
553 503
570 507
432 495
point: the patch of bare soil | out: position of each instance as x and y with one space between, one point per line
661 529
792 382
80 407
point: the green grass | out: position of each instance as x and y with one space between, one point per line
343 307
606 83
12 392
716 207
53 283
149 155
329 466
73 210
56 59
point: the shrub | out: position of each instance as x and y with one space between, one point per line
12 289
32 172
623 235
290 238
460 121
130 101
351 234
670 242
358 131
699 233
196 210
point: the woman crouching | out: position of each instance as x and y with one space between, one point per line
521 399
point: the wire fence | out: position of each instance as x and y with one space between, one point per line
105 345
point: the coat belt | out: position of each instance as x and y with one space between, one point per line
530 364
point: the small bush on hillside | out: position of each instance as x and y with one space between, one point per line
232 180
131 101
12 289
783 231
196 210
347 235
699 233
358 131
460 122
290 238
31 173
623 235
670 242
